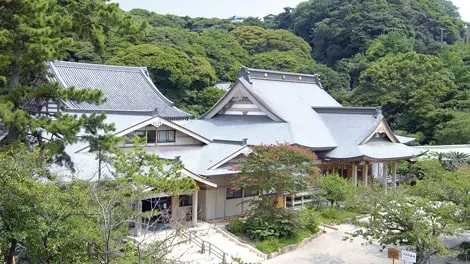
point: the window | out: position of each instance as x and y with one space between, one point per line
130 136
233 194
165 136
186 200
250 192
150 134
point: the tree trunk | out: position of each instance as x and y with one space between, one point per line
107 258
11 251
14 77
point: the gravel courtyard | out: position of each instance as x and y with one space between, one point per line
329 248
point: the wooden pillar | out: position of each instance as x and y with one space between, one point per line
354 173
385 175
195 209
349 171
175 206
365 174
394 175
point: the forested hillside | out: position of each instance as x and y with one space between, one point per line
374 52
408 56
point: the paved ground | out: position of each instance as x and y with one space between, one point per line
330 248
189 252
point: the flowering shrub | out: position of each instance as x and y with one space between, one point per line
278 168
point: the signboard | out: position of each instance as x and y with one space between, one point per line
393 253
408 256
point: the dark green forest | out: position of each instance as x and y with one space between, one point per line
408 56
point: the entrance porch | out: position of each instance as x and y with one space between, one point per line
365 172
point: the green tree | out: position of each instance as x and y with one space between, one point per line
278 168
158 20
412 88
403 220
335 189
50 220
256 40
340 29
225 56
136 174
278 61
171 69
455 131
199 102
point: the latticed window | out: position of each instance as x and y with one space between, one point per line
233 194
165 136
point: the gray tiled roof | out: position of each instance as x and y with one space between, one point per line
199 159
257 129
126 89
350 126
381 149
293 101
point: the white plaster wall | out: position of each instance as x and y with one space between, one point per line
201 203
233 207
217 206
220 203
210 204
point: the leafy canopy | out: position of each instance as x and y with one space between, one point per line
278 168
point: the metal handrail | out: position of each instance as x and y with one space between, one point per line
205 245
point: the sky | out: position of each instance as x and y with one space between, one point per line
229 8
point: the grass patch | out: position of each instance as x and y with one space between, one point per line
272 244
335 216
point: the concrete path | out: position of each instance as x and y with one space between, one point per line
330 248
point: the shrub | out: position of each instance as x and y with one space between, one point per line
236 226
265 221
330 213
308 219
269 245
335 188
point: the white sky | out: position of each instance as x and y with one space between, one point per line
228 8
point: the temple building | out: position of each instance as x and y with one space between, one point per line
261 107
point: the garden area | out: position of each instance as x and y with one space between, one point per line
269 228
282 169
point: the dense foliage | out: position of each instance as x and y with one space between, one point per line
360 49
45 218
278 169
273 228
358 40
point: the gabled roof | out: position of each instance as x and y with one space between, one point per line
157 121
354 130
288 98
126 89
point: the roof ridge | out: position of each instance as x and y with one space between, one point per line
270 75
97 66
242 142
376 111
279 72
